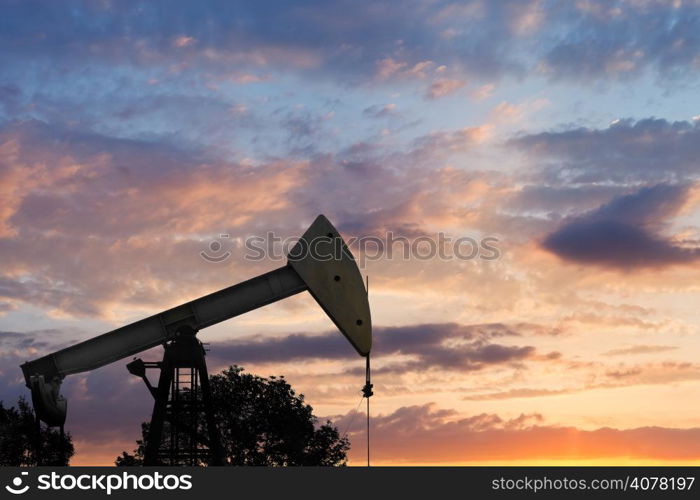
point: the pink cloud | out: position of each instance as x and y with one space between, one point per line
444 87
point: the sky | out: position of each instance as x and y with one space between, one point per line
138 138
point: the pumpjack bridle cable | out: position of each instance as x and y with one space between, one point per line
367 393
367 389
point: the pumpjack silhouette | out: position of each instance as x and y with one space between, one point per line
319 263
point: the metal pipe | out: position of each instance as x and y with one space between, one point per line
159 328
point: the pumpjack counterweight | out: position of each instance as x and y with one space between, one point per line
319 263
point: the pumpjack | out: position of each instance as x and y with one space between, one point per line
319 263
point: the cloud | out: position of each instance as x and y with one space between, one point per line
109 218
651 150
10 98
11 378
607 377
483 92
622 39
62 187
616 245
597 194
623 233
304 129
509 113
567 40
446 346
425 434
561 199
525 392
444 87
453 141
380 111
623 374
32 342
648 373
640 349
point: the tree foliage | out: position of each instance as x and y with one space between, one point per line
263 421
18 439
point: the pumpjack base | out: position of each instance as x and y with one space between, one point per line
183 427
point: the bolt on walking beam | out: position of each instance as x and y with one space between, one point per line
319 263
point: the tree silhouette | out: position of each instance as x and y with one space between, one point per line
262 421
18 439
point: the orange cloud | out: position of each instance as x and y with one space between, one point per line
444 87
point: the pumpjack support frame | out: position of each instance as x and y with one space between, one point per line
181 407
